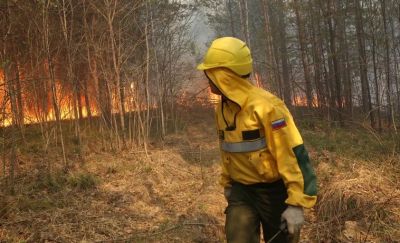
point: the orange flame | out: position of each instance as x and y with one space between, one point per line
301 101
4 105
34 114
258 80
213 98
42 110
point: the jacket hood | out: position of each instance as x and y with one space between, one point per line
232 86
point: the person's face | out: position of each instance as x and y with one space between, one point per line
213 88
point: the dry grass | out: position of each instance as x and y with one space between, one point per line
172 195
359 201
137 200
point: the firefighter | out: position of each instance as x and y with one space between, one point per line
266 172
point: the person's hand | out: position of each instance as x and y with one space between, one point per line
294 217
227 192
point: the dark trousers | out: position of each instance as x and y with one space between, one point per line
252 205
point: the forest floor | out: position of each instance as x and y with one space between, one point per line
172 194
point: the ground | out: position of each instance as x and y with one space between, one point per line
171 193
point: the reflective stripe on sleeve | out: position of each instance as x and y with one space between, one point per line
246 146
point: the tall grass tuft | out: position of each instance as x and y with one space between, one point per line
83 181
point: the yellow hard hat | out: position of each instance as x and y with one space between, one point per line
228 52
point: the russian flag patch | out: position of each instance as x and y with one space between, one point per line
278 124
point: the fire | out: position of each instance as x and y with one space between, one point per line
203 97
302 101
38 106
258 80
34 113
213 98
65 104
4 107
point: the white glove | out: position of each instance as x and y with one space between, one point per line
227 192
294 217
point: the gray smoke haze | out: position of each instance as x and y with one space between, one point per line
201 35
201 31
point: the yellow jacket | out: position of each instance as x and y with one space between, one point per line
259 140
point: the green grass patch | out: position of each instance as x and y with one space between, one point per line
353 143
83 181
29 204
52 183
59 181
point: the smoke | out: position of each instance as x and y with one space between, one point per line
201 31
201 35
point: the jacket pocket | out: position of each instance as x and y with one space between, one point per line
265 165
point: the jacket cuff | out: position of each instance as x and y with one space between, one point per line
300 199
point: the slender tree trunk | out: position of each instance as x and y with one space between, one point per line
101 86
46 40
13 157
304 56
377 90
67 31
87 100
241 18
159 81
348 85
246 27
287 94
111 11
315 19
395 62
326 55
231 21
271 66
147 80
14 124
12 70
79 100
333 60
343 57
387 63
362 59
20 104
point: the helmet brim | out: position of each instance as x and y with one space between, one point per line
242 69
202 67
